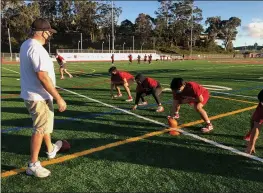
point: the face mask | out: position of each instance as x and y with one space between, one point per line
48 38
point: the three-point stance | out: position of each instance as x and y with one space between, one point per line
193 94
147 86
256 124
120 78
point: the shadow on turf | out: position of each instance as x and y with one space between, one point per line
10 92
160 152
181 156
6 167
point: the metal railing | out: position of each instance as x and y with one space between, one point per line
104 51
10 57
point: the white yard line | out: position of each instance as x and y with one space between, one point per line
10 70
164 125
225 93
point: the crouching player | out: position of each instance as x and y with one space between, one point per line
193 94
256 124
120 78
147 86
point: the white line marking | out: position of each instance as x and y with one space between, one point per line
216 87
224 93
10 70
235 95
162 124
212 87
180 130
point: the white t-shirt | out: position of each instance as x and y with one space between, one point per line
34 58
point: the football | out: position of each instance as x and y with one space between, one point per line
65 146
172 122
175 133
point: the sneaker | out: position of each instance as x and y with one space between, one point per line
37 170
70 76
160 109
176 116
118 95
143 103
57 147
130 99
247 137
62 78
208 128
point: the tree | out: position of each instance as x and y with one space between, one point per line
175 20
104 12
127 28
190 17
65 15
214 27
165 18
228 29
143 27
256 46
18 19
48 9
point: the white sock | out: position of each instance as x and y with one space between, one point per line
208 122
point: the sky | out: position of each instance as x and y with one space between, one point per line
250 13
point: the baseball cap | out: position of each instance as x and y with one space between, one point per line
41 24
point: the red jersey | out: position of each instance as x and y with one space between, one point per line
130 57
150 57
148 83
120 76
258 114
59 59
192 90
145 58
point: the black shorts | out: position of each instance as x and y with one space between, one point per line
121 83
158 90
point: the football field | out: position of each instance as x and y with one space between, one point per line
114 149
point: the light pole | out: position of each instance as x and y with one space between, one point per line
191 29
141 47
191 44
78 45
81 41
9 43
112 26
133 44
109 43
123 47
102 46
